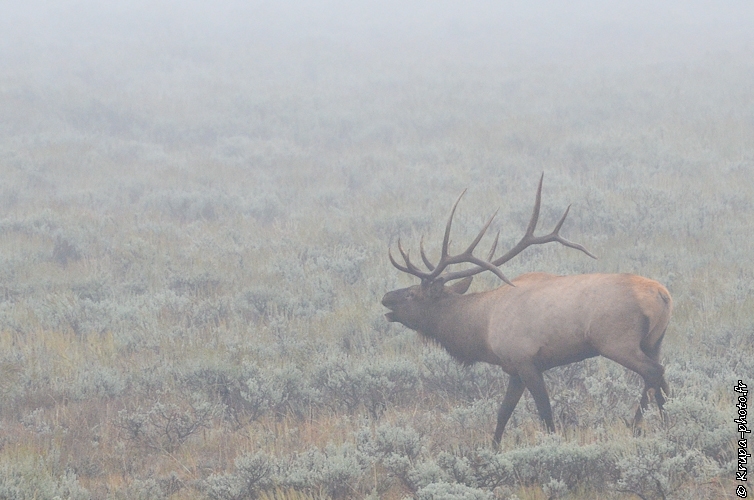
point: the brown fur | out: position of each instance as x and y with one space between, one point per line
543 322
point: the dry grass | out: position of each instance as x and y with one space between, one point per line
148 269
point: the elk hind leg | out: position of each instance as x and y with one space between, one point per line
654 354
512 396
650 370
643 405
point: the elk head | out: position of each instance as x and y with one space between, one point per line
411 306
414 306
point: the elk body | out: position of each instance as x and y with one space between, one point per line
538 322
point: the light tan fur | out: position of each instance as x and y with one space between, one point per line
542 322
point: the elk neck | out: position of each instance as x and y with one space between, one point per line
459 323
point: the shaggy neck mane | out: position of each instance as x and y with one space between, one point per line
460 328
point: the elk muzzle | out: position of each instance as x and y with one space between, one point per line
391 301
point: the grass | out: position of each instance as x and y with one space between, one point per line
163 257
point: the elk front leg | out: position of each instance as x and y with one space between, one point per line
533 380
512 396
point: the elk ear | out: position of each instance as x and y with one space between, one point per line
462 286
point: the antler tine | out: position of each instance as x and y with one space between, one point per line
494 246
555 236
446 237
562 219
479 236
529 238
427 263
576 246
414 270
395 264
482 265
467 256
409 268
535 213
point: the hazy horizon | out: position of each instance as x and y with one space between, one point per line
537 32
196 206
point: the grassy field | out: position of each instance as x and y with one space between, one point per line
193 253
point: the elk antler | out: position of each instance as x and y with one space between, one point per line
436 271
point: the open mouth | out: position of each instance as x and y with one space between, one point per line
390 316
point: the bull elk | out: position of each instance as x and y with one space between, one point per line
538 322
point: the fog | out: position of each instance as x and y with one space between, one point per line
64 34
197 201
61 56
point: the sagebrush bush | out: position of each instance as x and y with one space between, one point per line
334 471
166 424
451 491
28 479
254 473
194 246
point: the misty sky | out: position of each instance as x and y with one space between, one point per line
61 31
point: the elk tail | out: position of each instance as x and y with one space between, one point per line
656 324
